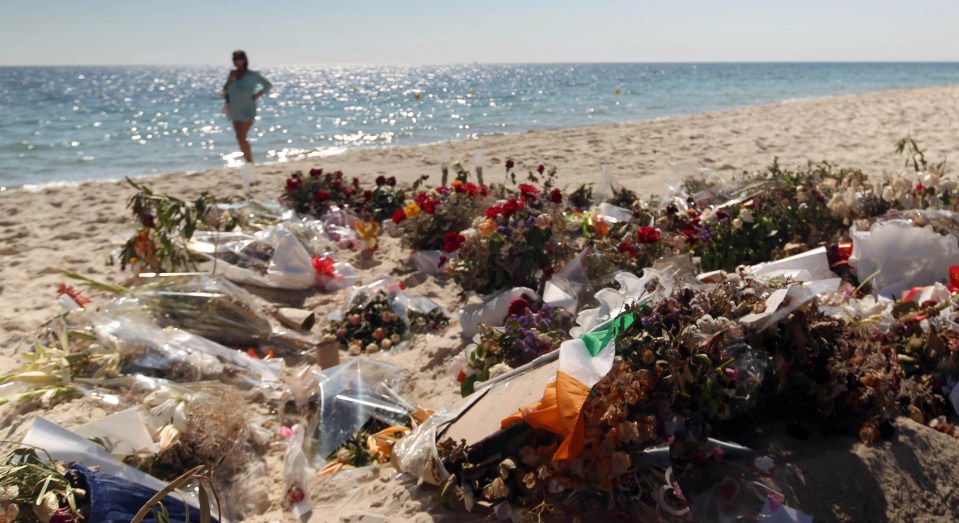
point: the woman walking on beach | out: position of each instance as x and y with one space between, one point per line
241 96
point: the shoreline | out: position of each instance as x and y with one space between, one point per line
319 155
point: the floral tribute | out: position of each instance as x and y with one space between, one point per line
318 192
433 219
165 225
372 324
518 241
529 331
687 368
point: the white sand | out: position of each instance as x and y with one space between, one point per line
912 478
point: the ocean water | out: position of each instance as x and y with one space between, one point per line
79 123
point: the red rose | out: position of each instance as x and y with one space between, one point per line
510 207
322 196
453 241
471 189
293 183
391 181
316 172
920 188
509 163
421 198
356 182
338 175
398 216
540 168
483 190
429 206
149 221
367 194
518 306
627 248
442 190
528 190
647 235
556 196
493 211
380 180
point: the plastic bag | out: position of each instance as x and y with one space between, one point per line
274 258
252 215
216 309
492 311
431 262
350 395
296 473
407 306
174 354
339 226
904 256
415 454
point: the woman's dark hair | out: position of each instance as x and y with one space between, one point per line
242 54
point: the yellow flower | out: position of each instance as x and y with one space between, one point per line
487 228
368 233
412 210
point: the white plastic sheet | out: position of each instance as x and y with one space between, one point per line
905 256
492 311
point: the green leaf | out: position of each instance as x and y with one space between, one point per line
469 382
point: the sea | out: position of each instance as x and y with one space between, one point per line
75 123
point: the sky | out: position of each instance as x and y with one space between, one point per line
280 32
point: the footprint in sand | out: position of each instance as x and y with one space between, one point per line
9 251
68 236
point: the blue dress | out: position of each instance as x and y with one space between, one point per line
241 107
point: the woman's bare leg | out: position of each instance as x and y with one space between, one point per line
242 129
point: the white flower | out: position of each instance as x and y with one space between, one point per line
889 195
498 370
9 492
169 436
746 216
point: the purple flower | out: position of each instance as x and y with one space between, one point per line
502 229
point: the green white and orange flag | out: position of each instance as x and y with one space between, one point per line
583 361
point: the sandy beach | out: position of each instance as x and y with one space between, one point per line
913 478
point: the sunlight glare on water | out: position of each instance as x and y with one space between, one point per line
77 123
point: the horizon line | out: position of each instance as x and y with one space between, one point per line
434 64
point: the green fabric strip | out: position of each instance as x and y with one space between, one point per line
599 338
